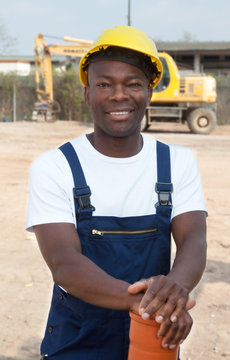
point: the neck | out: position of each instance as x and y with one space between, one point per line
120 147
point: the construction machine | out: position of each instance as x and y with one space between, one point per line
187 98
46 108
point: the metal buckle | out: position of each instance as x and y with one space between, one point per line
164 191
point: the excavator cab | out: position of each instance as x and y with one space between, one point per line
165 80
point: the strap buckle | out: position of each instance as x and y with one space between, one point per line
82 195
164 191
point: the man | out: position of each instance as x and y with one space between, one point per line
103 208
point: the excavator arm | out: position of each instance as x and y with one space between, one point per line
43 68
46 107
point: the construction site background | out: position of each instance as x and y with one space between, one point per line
18 95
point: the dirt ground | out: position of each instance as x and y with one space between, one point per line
25 280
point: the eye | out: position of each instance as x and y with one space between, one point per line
135 84
102 84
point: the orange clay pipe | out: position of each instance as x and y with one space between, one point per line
144 343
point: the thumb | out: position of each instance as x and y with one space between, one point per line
190 304
137 287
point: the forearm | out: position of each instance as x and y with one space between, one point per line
189 233
82 278
78 275
189 263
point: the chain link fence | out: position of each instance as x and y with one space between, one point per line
18 96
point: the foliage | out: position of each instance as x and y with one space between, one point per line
69 94
223 99
222 80
24 90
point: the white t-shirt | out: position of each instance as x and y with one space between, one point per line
120 186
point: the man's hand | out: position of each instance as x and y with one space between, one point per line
174 333
168 302
163 298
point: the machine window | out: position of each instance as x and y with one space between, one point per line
163 84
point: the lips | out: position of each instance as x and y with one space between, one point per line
119 115
119 112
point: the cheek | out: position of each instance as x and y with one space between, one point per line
86 95
144 100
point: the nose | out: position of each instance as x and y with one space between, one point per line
118 93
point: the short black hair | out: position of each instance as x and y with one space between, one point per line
135 58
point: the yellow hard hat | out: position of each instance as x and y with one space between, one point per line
124 37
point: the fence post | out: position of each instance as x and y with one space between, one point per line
14 103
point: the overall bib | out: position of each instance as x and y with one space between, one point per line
129 248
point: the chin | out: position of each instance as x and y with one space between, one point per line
122 131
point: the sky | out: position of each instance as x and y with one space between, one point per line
165 20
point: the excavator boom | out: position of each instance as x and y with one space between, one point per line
45 107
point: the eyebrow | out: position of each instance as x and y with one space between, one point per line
130 77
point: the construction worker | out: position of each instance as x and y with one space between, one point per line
103 208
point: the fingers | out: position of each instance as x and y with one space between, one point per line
178 308
169 303
173 334
181 305
154 297
173 306
166 295
165 299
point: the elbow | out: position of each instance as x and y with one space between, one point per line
60 271
57 278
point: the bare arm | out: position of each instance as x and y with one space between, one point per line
60 246
189 233
166 296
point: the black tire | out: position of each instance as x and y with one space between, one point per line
201 121
50 117
41 116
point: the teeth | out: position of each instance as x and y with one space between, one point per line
120 113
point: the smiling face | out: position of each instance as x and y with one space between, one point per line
117 95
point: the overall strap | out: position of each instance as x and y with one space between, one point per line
163 187
81 191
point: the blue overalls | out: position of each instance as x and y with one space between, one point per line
129 248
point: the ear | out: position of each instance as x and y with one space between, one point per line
150 92
86 94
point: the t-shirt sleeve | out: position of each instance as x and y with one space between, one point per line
187 192
50 191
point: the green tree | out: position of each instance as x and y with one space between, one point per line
68 93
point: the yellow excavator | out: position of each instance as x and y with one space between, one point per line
46 108
187 98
